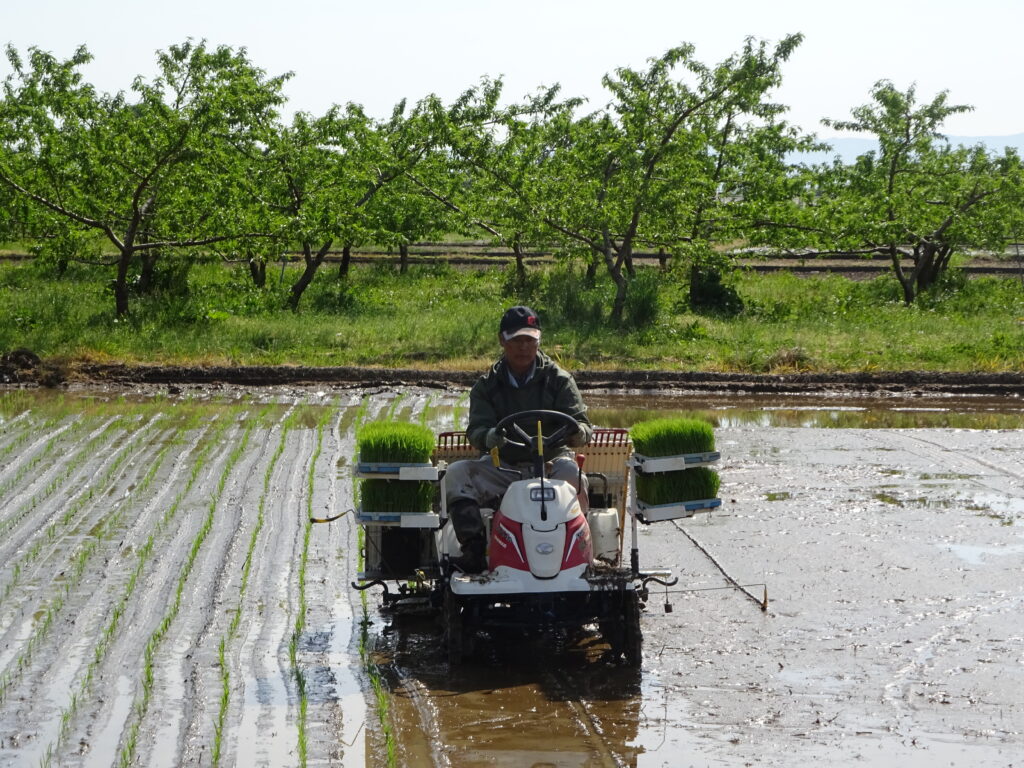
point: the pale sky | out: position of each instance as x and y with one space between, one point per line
378 53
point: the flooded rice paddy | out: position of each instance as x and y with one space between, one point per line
164 600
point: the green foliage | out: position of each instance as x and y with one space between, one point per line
563 297
915 200
685 158
683 151
448 319
147 173
394 441
672 437
694 484
708 293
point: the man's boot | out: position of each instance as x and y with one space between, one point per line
469 530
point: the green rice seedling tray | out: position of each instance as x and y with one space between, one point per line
650 465
661 512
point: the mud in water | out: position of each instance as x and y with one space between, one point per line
163 601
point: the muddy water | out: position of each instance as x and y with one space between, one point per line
846 513
887 533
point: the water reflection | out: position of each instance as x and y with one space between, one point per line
607 410
518 702
829 412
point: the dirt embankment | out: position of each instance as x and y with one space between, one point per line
24 367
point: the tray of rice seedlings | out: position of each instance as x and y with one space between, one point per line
671 475
395 450
396 478
669 444
396 496
670 495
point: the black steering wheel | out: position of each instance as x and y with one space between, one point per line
511 429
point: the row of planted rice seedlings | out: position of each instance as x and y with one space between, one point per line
110 628
98 490
457 409
15 433
67 458
229 635
380 692
300 617
72 573
27 552
130 743
15 403
33 460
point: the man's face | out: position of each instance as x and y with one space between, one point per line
520 352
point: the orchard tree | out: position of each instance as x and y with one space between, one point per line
151 172
307 181
318 176
916 199
404 213
661 166
491 160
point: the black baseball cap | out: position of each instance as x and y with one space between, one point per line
520 321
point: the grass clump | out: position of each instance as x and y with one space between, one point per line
672 436
694 484
387 441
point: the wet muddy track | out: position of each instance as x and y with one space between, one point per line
163 601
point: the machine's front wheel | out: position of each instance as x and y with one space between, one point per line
454 632
623 633
632 650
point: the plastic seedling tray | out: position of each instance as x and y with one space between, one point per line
395 471
659 512
650 465
399 519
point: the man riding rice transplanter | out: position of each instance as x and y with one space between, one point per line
523 379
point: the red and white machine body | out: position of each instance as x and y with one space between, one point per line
541 530
539 543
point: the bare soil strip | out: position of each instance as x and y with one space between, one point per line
944 383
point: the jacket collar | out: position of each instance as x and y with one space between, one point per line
503 375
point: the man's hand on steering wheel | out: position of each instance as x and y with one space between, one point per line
514 434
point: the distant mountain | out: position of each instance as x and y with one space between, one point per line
849 148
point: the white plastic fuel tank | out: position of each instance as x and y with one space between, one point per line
604 532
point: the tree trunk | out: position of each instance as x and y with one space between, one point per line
121 283
517 249
403 258
662 259
346 260
147 275
906 281
313 262
258 270
936 262
591 276
628 261
621 286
